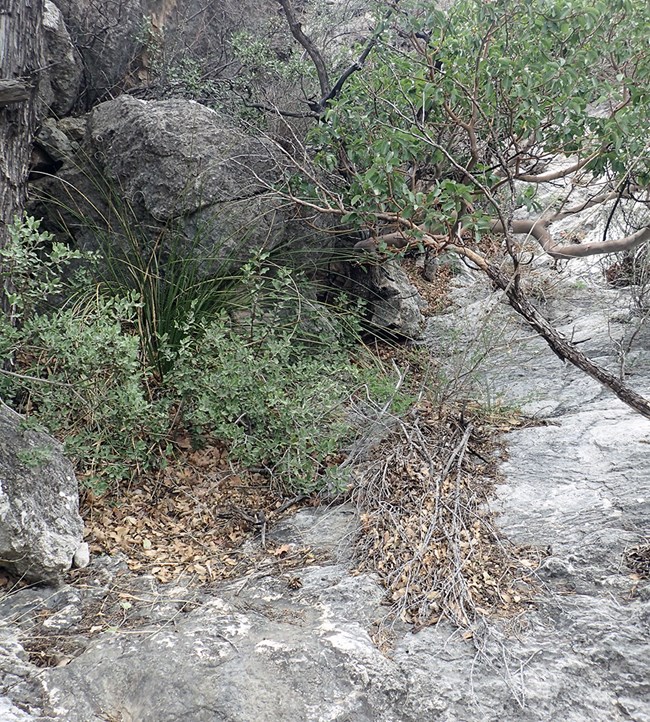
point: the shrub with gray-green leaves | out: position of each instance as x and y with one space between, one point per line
82 378
269 377
279 402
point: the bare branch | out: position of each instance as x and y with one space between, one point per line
470 128
314 53
398 239
615 245
329 92
590 203
358 63
564 349
283 113
560 173
14 91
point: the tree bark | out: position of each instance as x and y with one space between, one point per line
295 26
13 91
20 59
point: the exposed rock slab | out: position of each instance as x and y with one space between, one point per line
579 486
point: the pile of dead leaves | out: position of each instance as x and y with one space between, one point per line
193 521
425 525
638 560
434 292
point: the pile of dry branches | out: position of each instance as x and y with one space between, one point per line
426 528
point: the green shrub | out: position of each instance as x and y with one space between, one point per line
279 402
82 377
32 268
269 373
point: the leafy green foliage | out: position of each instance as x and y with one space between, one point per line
261 62
279 404
455 105
270 376
171 280
83 379
32 266
167 274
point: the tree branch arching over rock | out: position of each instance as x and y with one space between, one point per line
539 230
438 142
564 349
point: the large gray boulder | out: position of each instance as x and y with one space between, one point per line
173 169
40 526
107 37
177 164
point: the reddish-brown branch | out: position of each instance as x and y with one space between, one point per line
539 230
556 174
564 349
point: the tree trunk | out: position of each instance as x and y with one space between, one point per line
20 60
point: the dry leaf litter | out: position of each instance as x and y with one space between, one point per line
426 528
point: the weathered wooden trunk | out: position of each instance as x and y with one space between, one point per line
20 60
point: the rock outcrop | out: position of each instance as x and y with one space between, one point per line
40 526
394 305
299 646
182 164
60 84
120 42
170 172
138 167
